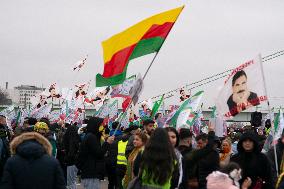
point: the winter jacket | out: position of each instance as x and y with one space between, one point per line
198 164
117 132
91 153
4 153
218 180
4 147
254 164
32 165
71 142
271 158
206 165
184 149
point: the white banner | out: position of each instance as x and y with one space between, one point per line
243 89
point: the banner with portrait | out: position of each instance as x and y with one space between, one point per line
243 88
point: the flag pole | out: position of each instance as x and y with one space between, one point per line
270 114
149 68
160 47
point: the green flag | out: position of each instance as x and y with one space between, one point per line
276 122
190 105
156 106
18 117
213 113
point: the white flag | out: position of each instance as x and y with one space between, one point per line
243 88
181 116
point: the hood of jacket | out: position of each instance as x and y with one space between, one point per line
94 125
30 145
251 136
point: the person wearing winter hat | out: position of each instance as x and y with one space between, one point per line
43 129
253 163
32 165
91 152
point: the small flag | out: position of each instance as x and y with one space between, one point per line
156 106
278 125
190 105
123 90
80 64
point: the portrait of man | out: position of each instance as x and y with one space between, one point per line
42 101
53 93
80 92
241 98
183 95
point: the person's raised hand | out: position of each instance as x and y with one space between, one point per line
246 184
211 127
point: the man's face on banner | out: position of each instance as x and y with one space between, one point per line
240 86
42 98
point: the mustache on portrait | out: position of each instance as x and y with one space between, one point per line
241 91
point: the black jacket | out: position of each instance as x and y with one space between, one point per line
200 163
90 155
71 142
207 163
254 164
32 166
184 149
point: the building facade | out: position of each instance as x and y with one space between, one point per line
22 95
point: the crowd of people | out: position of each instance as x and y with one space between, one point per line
48 155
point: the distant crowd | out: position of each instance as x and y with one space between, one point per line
45 155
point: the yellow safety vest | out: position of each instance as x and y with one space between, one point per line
121 159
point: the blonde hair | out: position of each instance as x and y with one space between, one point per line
228 140
143 136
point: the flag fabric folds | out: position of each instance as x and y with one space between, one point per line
243 88
156 106
181 116
141 39
278 125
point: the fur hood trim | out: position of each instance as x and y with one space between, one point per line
31 136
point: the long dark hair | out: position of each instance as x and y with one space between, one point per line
171 129
158 157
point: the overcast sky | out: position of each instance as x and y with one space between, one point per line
40 41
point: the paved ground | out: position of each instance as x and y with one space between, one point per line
103 185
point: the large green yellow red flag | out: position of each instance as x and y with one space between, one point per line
141 39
